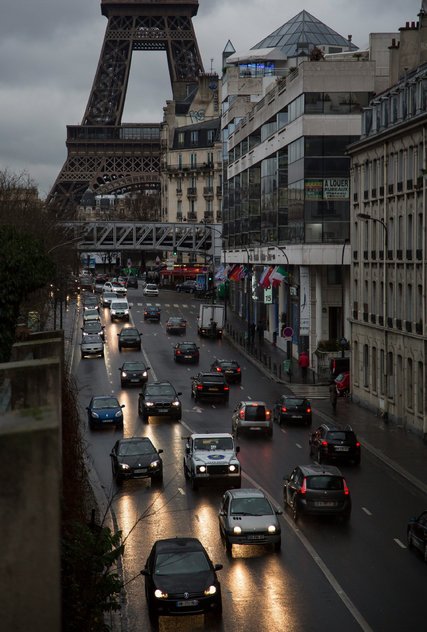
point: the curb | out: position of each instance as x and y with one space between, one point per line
368 446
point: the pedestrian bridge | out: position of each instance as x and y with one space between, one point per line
107 236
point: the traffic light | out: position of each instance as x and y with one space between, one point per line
175 251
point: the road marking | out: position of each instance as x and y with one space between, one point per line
366 511
299 446
181 491
175 305
399 543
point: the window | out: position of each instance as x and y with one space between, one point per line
400 163
409 384
374 297
180 163
211 136
193 161
181 139
409 230
408 303
365 366
382 372
390 369
374 370
420 389
410 163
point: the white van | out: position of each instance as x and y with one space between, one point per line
119 309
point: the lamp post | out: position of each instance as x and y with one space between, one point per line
343 341
368 217
288 300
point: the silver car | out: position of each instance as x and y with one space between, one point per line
107 297
246 516
92 345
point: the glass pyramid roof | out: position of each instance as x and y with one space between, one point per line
303 33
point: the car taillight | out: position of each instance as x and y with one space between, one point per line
346 490
303 488
308 410
238 370
284 409
199 387
242 414
357 444
324 443
226 388
267 414
218 368
178 352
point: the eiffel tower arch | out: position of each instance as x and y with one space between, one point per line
105 155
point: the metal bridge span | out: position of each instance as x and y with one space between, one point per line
108 236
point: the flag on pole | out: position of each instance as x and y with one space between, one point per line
279 273
263 275
265 280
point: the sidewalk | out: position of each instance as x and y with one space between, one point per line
402 451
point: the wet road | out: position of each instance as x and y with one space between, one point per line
327 577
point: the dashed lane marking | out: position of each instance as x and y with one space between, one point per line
399 543
299 446
181 491
367 512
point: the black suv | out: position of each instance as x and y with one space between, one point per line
230 368
417 534
186 352
291 408
151 312
159 399
330 442
317 489
132 281
129 338
210 385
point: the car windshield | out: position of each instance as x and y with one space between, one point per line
181 563
135 447
133 366
116 305
341 435
325 482
150 286
210 444
293 401
93 326
254 413
91 312
176 320
92 340
90 300
153 390
110 295
129 333
256 506
105 402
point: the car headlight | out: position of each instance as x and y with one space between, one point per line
176 403
144 374
124 466
210 591
124 374
232 468
154 463
149 404
271 529
94 414
237 530
160 594
118 414
202 468
126 312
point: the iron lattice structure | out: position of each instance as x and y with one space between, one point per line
104 155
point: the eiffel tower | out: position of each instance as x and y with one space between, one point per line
104 154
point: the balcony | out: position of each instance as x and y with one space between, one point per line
219 216
192 217
192 192
208 192
208 217
219 192
179 191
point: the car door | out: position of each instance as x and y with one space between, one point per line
291 487
235 416
223 512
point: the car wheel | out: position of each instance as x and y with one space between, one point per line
153 615
318 456
228 545
278 545
295 511
102 354
139 347
357 460
345 517
186 473
83 355
120 348
118 479
269 434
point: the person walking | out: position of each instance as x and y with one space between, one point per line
304 363
333 395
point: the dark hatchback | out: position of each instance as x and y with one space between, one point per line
159 399
176 325
186 352
330 442
136 458
180 579
317 489
133 373
293 410
129 338
417 534
93 328
132 281
230 369
152 313
210 386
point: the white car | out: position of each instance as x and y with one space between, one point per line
114 286
212 458
119 309
151 289
91 314
107 297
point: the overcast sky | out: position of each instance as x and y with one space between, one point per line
49 51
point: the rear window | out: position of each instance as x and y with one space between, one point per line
255 413
229 365
294 402
188 347
341 435
325 482
213 378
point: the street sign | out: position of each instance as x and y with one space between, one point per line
287 333
268 296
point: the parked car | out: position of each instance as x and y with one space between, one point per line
338 365
209 385
331 442
317 489
119 310
189 286
186 352
133 373
176 325
115 286
246 516
104 410
180 579
93 327
230 368
107 297
136 457
417 534
292 409
92 345
132 281
129 338
90 315
159 399
252 416
152 313
151 289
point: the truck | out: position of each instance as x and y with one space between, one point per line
211 320
212 457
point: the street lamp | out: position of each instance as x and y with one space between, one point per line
288 299
368 217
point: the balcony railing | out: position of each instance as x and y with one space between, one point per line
208 191
192 192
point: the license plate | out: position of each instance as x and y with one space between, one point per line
162 410
341 448
296 416
135 379
213 389
186 604
187 357
141 471
325 503
255 428
228 372
255 537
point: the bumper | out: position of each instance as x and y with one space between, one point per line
176 607
153 411
310 508
296 418
261 427
254 538
180 358
145 472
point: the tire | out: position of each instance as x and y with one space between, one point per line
119 480
357 461
345 518
318 456
83 356
186 472
153 615
102 354
269 434
238 484
295 511
120 348
228 545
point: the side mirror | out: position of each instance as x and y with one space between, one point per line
179 393
222 513
160 451
218 567
237 449
278 512
286 479
147 368
122 405
187 449
145 572
111 453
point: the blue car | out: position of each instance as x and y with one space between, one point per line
105 409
